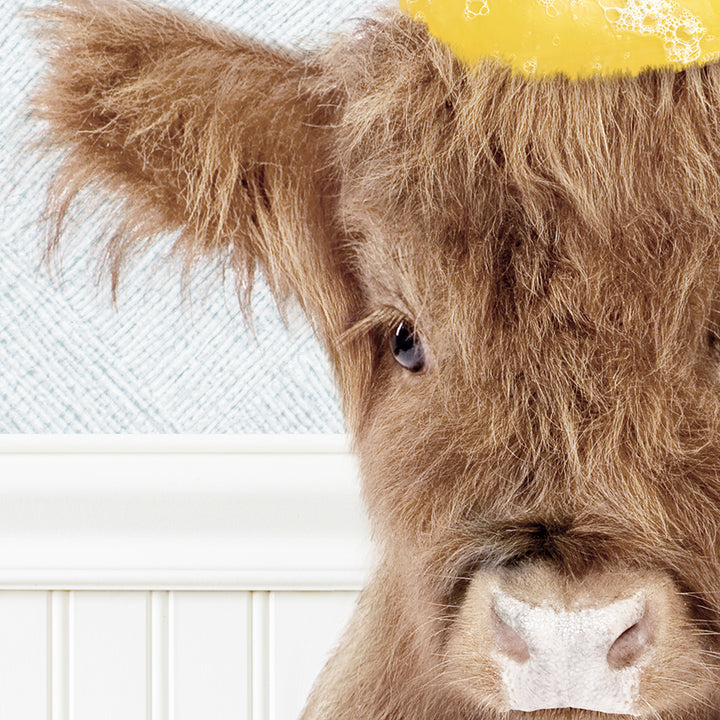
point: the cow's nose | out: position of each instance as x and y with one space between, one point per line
622 640
587 657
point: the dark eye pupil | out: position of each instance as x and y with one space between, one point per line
407 348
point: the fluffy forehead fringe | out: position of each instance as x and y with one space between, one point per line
569 228
456 150
610 180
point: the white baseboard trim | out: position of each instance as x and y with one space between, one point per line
181 512
176 444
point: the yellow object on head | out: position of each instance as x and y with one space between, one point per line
578 38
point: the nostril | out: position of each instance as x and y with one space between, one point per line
507 641
631 644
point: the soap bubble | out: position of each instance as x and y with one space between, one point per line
553 8
473 8
679 29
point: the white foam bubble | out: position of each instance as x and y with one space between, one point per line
473 8
677 27
553 8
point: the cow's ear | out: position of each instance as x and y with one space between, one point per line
220 138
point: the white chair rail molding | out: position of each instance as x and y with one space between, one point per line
173 577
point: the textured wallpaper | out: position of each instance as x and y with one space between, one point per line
70 362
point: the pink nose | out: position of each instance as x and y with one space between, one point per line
587 658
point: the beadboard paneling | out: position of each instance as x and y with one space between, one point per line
173 578
109 667
305 627
24 659
210 653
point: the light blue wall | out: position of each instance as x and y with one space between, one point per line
69 362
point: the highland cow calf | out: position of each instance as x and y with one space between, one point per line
517 281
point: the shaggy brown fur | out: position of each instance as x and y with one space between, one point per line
555 245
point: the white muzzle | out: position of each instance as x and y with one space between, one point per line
553 658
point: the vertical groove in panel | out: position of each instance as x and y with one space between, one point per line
49 655
170 656
59 670
260 665
271 665
248 659
70 654
150 694
158 657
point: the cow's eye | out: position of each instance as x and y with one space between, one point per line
407 347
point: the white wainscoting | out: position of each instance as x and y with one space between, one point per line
173 577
